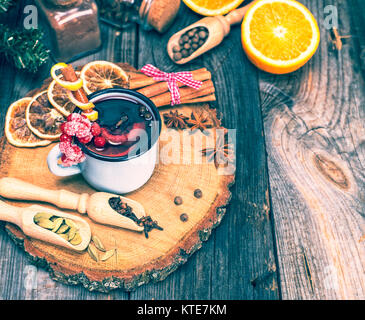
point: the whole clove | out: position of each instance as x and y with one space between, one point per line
124 209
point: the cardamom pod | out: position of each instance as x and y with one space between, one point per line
93 253
76 239
46 223
57 224
64 236
63 229
98 243
71 233
70 223
107 255
41 215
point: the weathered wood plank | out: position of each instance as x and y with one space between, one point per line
20 279
314 128
237 262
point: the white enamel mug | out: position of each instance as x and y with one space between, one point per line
115 174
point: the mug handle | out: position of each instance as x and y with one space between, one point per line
55 168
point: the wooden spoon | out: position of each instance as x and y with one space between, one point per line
218 28
96 205
23 218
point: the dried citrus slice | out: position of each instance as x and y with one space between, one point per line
16 129
58 97
73 86
212 7
99 75
83 106
92 115
42 118
279 36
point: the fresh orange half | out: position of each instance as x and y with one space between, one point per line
279 36
212 7
99 75
16 129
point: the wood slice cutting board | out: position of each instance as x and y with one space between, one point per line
138 260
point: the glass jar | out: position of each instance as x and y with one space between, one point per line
74 27
157 14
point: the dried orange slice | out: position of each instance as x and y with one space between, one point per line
73 86
16 129
58 97
279 36
212 7
99 75
42 118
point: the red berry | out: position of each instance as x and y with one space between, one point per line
62 127
75 117
95 129
99 142
63 158
86 139
65 138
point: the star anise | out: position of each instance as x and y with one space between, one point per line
175 120
222 153
199 121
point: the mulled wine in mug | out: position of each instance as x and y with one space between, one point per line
124 158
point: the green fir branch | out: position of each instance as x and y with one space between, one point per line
23 48
5 5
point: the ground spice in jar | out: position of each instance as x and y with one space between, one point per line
74 26
189 42
157 14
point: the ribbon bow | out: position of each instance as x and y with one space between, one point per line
172 78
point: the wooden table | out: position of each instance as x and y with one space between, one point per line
294 227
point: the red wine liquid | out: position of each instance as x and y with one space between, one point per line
126 125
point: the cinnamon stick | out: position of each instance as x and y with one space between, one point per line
161 87
69 74
186 93
144 81
208 98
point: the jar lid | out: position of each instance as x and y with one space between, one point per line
63 3
159 14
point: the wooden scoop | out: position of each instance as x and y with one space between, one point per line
23 218
96 205
218 28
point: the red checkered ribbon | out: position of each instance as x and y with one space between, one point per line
172 78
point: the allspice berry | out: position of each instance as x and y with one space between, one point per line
198 193
184 217
177 56
178 200
189 42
